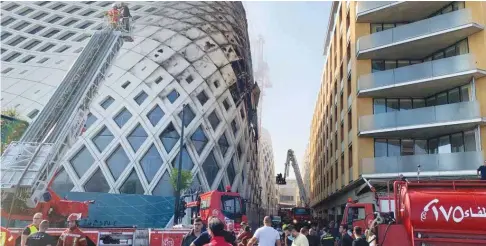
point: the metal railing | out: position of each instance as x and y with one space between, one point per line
364 6
421 71
428 115
420 28
445 162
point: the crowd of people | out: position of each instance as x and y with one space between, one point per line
216 235
35 234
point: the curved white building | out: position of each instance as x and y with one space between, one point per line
267 175
194 53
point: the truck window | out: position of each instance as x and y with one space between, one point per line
231 206
356 213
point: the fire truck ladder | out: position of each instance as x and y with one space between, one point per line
292 160
28 165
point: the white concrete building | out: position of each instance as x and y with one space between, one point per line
194 53
267 175
288 194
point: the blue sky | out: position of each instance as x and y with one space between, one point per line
294 35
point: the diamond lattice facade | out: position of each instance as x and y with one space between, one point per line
193 53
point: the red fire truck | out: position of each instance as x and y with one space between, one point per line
431 213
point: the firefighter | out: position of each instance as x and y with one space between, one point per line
114 15
72 236
6 238
31 229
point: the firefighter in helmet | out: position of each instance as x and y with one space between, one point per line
114 16
72 236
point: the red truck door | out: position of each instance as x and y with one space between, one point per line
358 214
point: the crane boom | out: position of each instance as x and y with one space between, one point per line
28 165
291 160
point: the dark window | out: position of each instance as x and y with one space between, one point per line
202 97
62 49
82 161
33 113
457 142
7 21
380 147
137 137
54 19
231 171
69 22
470 140
223 144
234 127
211 168
188 115
36 29
151 163
125 85
12 57
87 12
172 96
27 59
117 162
17 41
12 7
85 25
90 120
141 97
103 139
41 61
51 33
73 9
454 96
379 106
6 70
97 183
226 104
393 147
214 120
81 38
122 117
107 102
199 140
62 183
187 163
40 16
66 36
150 9
22 25
392 105
58 6
46 47
155 115
164 187
132 184
5 35
407 147
32 44
420 147
169 137
405 104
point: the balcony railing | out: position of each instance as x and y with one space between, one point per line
350 100
343 146
363 6
428 115
420 28
350 136
417 72
435 164
342 114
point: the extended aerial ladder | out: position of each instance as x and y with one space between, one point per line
30 164
291 160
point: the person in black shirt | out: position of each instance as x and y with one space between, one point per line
346 239
41 238
360 240
482 170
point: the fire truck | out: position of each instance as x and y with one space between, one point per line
300 216
425 213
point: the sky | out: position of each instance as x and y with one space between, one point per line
294 34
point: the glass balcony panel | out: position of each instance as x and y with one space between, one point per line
394 165
363 6
428 115
416 29
421 71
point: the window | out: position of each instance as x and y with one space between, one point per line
85 25
81 161
5 35
187 163
151 163
25 11
380 147
379 106
132 184
40 15
470 141
226 104
223 144
62 49
27 59
32 44
230 170
117 162
58 6
41 61
43 3
107 102
169 137
36 29
69 22
122 117
103 139
172 96
164 186
214 120
234 127
104 4
150 9
137 137
155 115
140 98
7 21
12 56
199 140
97 183
73 9
12 7
202 97
66 36
51 33
22 25
81 38
6 70
54 19
210 168
17 41
62 183
126 84
90 120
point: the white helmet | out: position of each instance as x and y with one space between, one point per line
114 5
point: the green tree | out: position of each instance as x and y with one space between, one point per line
186 178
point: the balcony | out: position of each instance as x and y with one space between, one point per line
419 39
421 80
350 136
421 122
446 164
395 11
350 101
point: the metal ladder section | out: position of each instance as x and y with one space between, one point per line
29 164
302 192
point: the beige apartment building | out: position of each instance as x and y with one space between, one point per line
403 86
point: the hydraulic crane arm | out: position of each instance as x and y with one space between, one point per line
291 160
29 165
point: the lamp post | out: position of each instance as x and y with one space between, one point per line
179 173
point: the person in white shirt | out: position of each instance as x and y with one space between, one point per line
266 235
299 238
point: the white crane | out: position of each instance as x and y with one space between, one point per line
291 160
